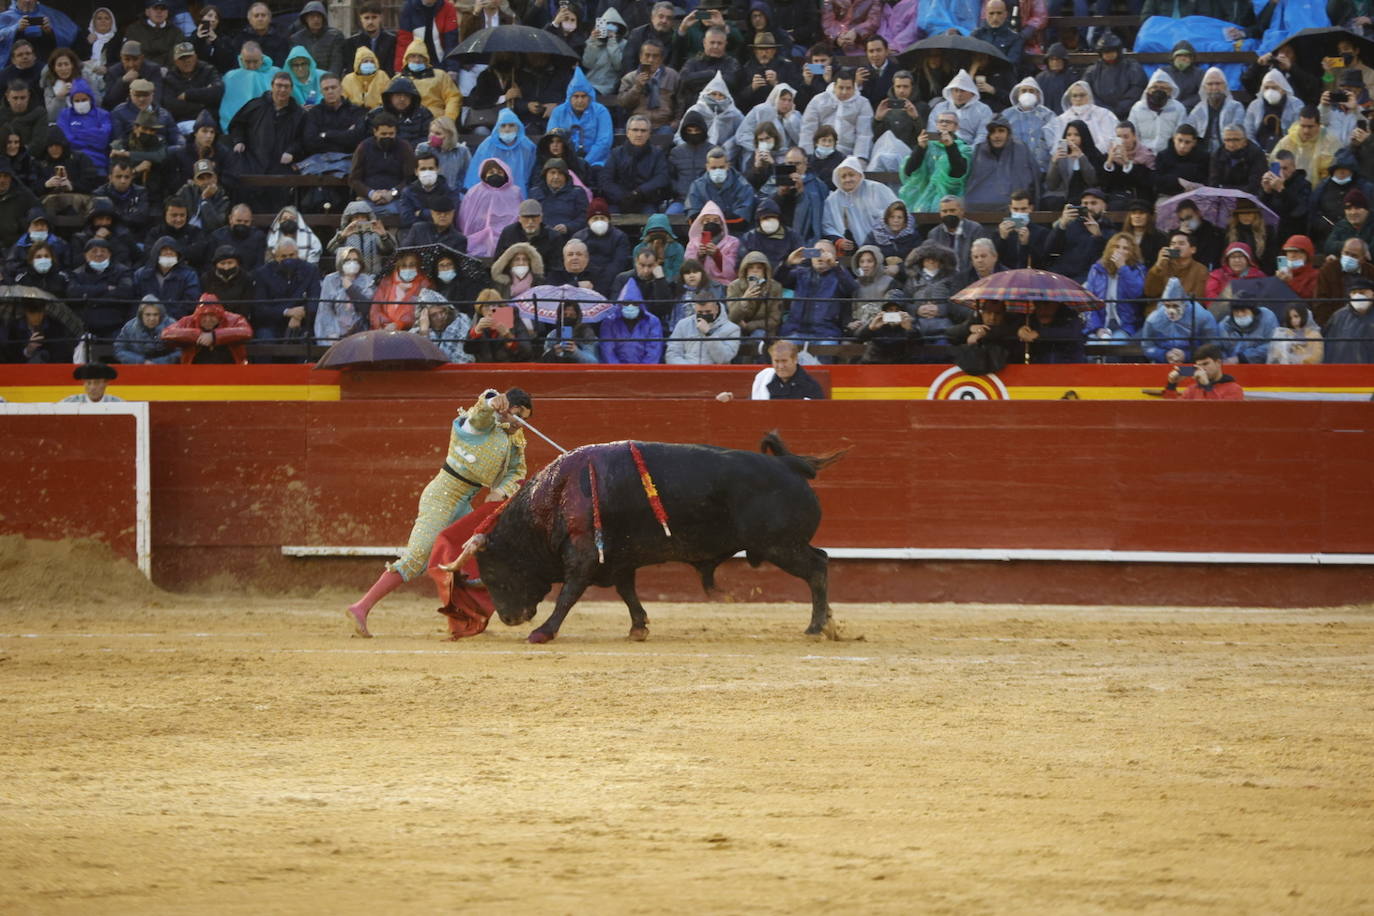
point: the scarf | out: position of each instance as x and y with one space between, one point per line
98 46
653 101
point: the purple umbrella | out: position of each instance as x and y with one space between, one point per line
1021 290
544 303
1214 204
383 350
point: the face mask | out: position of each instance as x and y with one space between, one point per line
1182 63
167 262
1272 96
351 268
98 266
448 275
436 141
1191 224
81 108
1339 180
717 175
520 270
715 104
38 235
631 312
42 265
1174 313
707 317
599 226
407 274
289 227
766 145
1349 264
367 68
240 232
416 66
508 136
568 26
951 222
1156 98
1359 303
496 181
428 177
1243 322
768 226
1028 100
1020 219
824 152
1295 263
385 144
693 137
929 272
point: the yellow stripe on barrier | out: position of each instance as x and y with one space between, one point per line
39 394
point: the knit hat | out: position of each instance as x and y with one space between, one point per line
1094 192
98 242
531 208
598 207
556 163
1355 198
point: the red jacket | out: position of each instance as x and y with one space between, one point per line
1303 281
1226 389
233 330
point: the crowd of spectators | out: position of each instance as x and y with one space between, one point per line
728 176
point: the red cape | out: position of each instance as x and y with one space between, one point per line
467 606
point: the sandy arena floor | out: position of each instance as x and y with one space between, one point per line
246 755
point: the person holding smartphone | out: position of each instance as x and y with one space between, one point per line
1210 381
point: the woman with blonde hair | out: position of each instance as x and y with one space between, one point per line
1247 225
454 157
491 340
1118 279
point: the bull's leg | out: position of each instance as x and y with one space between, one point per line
639 621
575 584
810 564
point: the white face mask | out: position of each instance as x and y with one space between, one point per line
824 152
350 268
38 235
42 265
717 175
1243 321
508 136
766 145
769 226
448 275
407 274
1359 303
519 270
599 226
1272 96
167 262
1028 100
81 108
1297 262
428 177
1192 224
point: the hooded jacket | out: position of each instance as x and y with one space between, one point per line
634 342
1302 280
565 207
853 214
1028 124
720 267
1101 121
602 58
1266 124
177 288
1053 84
687 346
720 118
1189 81
1248 344
518 157
973 117
90 133
104 294
241 86
852 120
232 333
734 196
789 126
590 132
672 253
1209 122
80 170
925 289
1154 127
412 124
304 91
365 91
862 17
326 47
500 268
1118 85
687 161
1192 329
137 343
1219 279
486 210
994 174
1328 197
267 133
752 306
437 90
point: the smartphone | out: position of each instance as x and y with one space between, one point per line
783 170
811 252
1062 146
1362 124
1333 63
565 332
646 69
504 315
816 69
756 281
1281 263
1170 252
1187 371
1275 169
706 237
892 317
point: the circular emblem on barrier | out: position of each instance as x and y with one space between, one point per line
954 384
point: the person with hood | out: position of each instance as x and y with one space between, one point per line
227 279
586 120
1350 332
1215 110
779 111
1312 146
266 132
190 87
716 111
1027 117
874 282
1244 334
1297 340
509 146
1056 78
102 286
1272 112
166 277
191 240
710 242
1186 76
705 337
402 101
1118 279
1282 58
248 81
518 268
140 341
849 113
98 44
39 230
1077 105
1183 160
288 225
324 43
855 206
438 320
1238 263
899 25
1328 198
1177 326
1116 82
64 175
687 158
364 84
438 93
657 236
361 230
636 177
770 237
432 22
608 246
88 127
999 165
210 335
931 269
631 334
937 167
651 89
563 204
305 76
601 57
755 298
822 293
556 144
1237 163
492 204
1298 268
103 223
850 23
1157 114
960 98
724 187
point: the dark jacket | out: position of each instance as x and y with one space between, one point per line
820 309
375 167
251 246
1076 247
333 130
548 243
384 46
14 207
1170 167
203 89
103 299
610 254
192 241
283 285
177 289
80 170
635 176
565 207
416 200
1240 170
236 293
425 233
267 132
412 125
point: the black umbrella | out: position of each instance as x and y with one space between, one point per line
509 39
1311 45
961 46
383 350
469 268
12 299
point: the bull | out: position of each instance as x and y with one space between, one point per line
716 502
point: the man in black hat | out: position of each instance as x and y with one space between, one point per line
763 71
120 77
94 377
439 229
103 222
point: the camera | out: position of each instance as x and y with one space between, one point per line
1339 97
783 170
1170 252
1362 124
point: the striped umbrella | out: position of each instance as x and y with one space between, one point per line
1022 290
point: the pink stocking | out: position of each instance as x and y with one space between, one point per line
357 613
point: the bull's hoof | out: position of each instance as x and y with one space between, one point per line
639 634
830 631
539 637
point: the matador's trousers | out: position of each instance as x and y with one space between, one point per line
445 500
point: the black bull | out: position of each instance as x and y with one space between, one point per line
718 502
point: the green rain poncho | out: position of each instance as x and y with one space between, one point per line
923 187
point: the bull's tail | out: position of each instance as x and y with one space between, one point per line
806 465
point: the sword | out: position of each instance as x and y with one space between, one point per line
525 423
